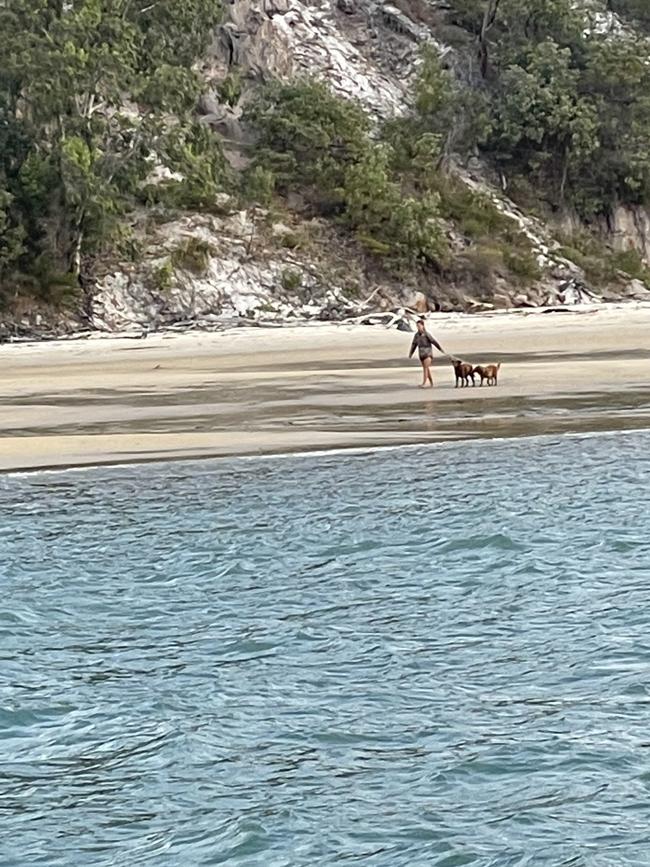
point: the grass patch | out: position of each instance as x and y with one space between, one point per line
162 277
602 266
193 255
521 263
291 280
474 214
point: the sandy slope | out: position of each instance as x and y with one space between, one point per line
265 390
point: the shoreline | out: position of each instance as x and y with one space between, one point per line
309 452
319 387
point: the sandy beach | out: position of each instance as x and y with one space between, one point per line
268 390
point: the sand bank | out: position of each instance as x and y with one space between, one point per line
256 391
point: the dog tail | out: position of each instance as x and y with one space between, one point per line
499 366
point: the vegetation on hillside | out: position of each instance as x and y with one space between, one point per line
635 11
313 141
95 95
97 118
568 98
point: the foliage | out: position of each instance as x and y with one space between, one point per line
457 115
192 254
162 276
474 213
97 105
12 237
521 263
540 120
196 165
316 142
601 265
291 280
307 136
376 206
258 185
635 11
74 149
565 105
230 89
631 263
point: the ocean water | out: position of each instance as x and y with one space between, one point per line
434 656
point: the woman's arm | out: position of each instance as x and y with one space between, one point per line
413 345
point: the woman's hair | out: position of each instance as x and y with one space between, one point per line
421 321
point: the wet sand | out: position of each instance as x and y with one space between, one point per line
260 391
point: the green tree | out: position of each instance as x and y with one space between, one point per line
458 115
95 87
617 80
406 227
308 136
12 236
542 124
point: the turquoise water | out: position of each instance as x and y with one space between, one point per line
414 657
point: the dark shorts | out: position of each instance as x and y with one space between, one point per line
424 355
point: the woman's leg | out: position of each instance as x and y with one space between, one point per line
423 362
427 378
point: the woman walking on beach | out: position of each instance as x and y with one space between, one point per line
424 343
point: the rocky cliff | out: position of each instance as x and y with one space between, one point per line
253 263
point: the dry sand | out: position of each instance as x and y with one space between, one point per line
254 391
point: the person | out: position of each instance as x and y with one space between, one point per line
424 343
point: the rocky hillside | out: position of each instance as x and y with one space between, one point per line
348 156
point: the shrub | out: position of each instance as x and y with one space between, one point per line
474 213
372 245
307 135
230 89
631 262
258 186
291 240
602 267
521 263
192 254
479 266
375 206
291 280
195 154
162 276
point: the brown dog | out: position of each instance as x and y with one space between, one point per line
464 372
488 372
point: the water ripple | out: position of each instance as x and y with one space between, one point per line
413 657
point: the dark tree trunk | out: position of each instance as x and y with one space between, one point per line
489 18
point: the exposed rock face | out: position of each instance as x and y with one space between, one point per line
628 228
558 268
238 275
286 38
366 49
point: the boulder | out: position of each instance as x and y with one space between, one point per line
523 300
209 104
276 7
576 292
502 300
637 290
420 303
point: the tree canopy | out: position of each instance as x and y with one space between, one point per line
93 95
566 95
97 117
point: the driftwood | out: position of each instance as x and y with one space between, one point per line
387 318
